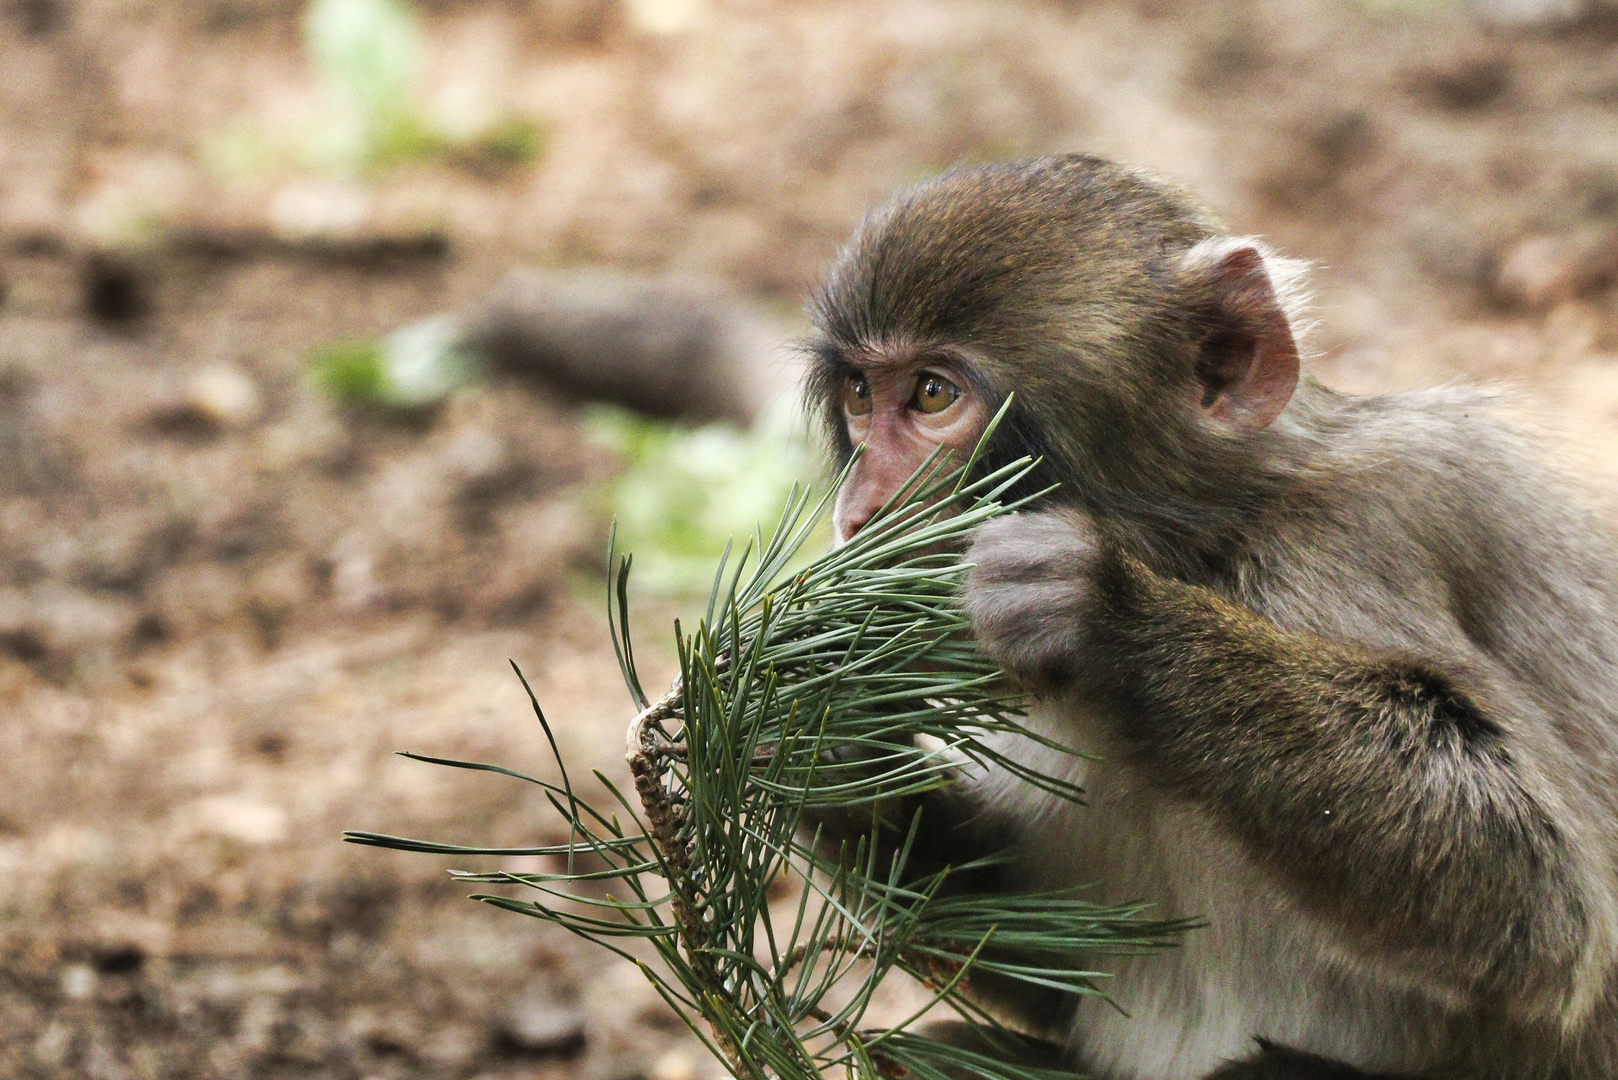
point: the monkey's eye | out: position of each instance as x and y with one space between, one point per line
934 393
856 395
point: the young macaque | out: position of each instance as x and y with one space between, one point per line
1347 667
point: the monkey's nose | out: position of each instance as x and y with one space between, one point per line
845 533
857 503
844 528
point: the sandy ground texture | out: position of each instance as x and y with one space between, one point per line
225 599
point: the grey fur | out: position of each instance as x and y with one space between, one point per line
1353 678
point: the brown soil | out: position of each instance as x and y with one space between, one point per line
225 599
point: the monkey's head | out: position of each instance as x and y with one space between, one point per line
1148 350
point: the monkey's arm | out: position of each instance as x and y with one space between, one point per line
1400 797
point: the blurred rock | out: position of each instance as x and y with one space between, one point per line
234 819
78 982
538 1025
354 583
54 1044
474 457
665 347
227 984
665 16
330 211
341 220
677 1064
224 396
1539 272
453 1046
255 1029
215 399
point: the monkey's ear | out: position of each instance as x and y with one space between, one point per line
1247 364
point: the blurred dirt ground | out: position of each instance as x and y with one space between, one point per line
225 599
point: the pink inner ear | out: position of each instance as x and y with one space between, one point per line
1250 381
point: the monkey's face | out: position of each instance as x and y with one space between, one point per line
900 410
1144 350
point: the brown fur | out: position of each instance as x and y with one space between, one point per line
1365 658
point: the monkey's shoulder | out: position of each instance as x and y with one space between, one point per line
1438 489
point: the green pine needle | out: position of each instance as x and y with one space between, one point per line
801 693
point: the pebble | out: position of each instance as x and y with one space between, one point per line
235 819
224 397
78 981
537 1024
676 1064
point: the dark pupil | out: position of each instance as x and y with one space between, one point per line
934 388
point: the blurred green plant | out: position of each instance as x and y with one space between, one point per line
845 686
415 367
685 492
369 55
506 144
371 49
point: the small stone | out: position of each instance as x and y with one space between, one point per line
235 819
538 1025
665 16
224 397
320 210
677 1064
78 981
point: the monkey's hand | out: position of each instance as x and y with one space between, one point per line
1030 579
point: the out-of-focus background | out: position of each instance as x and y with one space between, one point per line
249 546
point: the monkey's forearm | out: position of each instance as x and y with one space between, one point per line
1379 786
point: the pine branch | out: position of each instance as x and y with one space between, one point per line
850 683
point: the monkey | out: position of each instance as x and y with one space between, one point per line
1343 669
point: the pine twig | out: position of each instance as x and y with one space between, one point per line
816 691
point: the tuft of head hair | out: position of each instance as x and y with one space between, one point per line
995 254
